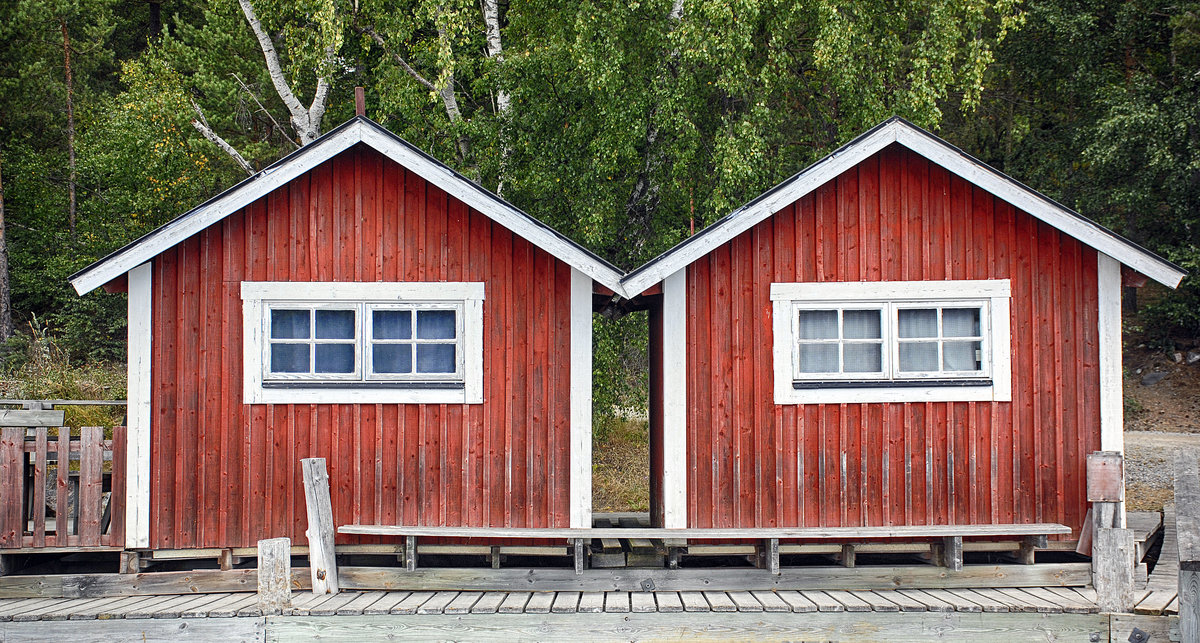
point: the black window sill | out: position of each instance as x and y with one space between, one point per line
397 386
829 384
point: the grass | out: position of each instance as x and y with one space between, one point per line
35 368
621 466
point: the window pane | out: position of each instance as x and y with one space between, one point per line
335 324
435 324
961 356
334 358
435 358
289 324
392 324
392 358
818 324
960 322
861 324
818 358
918 356
918 322
863 358
289 358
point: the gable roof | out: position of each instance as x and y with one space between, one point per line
356 130
936 150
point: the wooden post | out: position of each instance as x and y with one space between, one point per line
131 562
770 554
1029 547
1112 545
321 560
1187 534
410 553
849 555
225 558
580 561
274 576
952 553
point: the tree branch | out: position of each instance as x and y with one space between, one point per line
264 110
370 31
316 111
201 126
300 116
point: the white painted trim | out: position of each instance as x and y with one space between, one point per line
1112 422
358 131
936 150
256 295
581 400
674 380
995 293
137 458
891 290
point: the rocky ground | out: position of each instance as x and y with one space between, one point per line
1162 416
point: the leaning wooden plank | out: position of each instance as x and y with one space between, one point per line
771 602
463 603
616 602
540 603
858 578
823 601
489 603
797 601
642 602
877 602
668 602
514 603
565 603
745 601
591 602
360 603
322 563
385 604
693 602
437 603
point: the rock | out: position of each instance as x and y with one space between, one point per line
1153 377
1178 357
1193 357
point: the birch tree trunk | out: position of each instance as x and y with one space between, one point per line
305 121
6 322
70 130
446 90
495 50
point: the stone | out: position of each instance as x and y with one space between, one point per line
1153 377
1193 357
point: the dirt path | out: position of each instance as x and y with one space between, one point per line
1149 460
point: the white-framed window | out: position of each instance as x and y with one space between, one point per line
891 341
328 342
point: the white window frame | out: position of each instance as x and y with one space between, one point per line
992 295
258 297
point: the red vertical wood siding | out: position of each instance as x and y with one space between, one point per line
225 474
893 217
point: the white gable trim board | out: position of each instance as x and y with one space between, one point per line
934 149
359 130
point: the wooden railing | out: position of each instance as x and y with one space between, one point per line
83 473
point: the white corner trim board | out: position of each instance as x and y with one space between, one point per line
137 462
674 369
581 401
1108 320
932 148
993 296
359 130
258 296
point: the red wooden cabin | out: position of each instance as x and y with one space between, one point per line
897 335
361 302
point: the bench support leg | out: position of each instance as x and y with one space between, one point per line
495 556
580 561
1029 546
769 555
131 562
951 555
849 555
410 553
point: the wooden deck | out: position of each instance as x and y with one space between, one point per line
1161 593
982 615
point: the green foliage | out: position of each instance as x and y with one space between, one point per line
620 382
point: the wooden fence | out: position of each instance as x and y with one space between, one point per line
59 490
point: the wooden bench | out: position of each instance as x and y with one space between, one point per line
949 537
